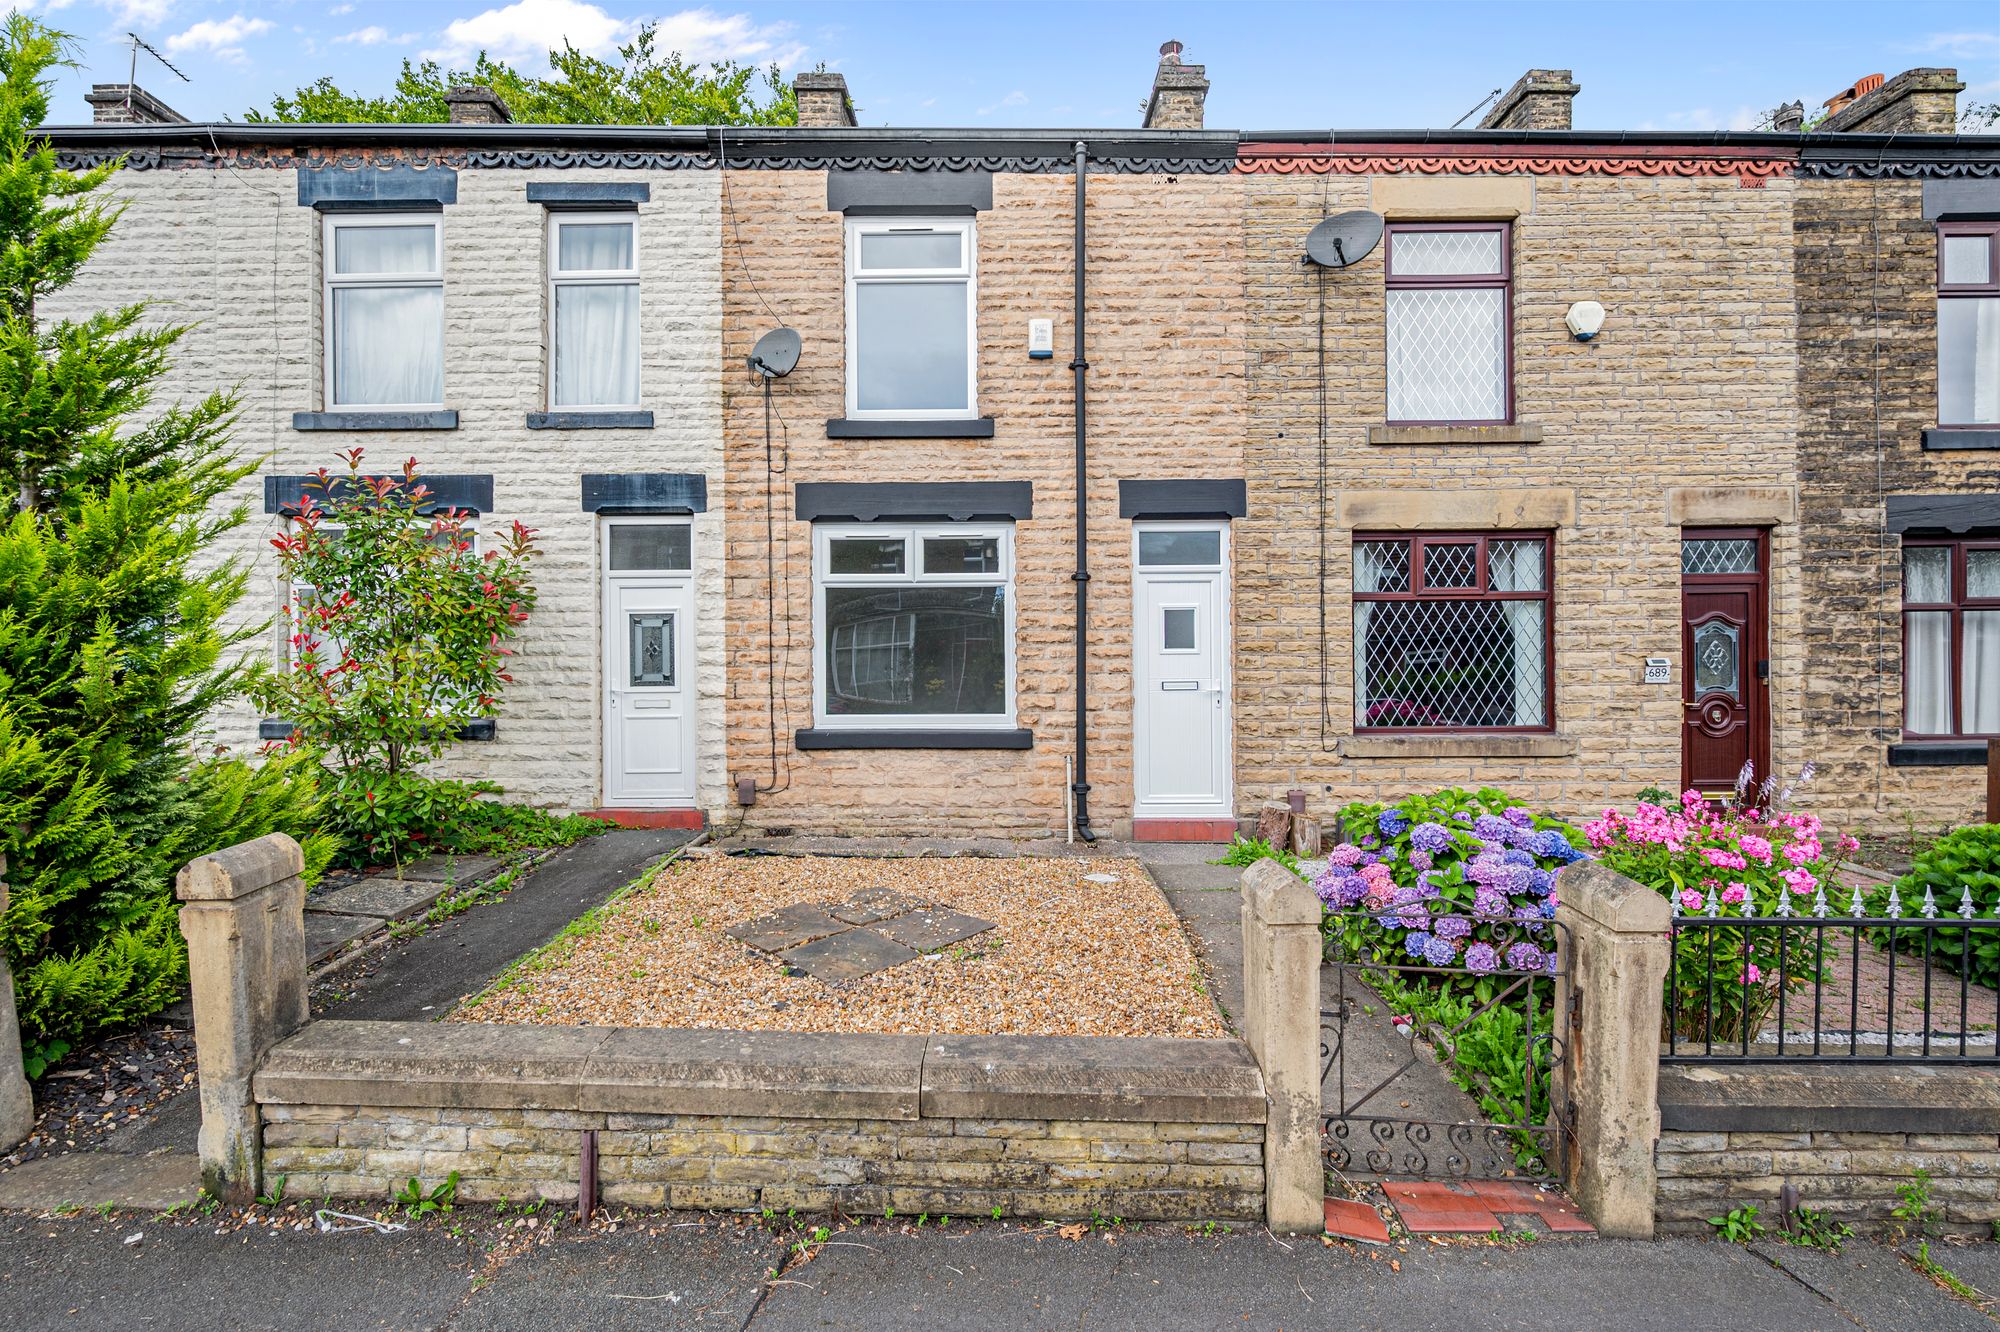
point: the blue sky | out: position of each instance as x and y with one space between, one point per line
1272 65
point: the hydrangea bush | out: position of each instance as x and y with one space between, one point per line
1455 879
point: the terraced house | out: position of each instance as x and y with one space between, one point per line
1009 481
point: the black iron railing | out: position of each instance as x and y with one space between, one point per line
1850 988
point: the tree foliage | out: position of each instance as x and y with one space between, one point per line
643 86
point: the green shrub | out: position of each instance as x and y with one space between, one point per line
1960 864
376 818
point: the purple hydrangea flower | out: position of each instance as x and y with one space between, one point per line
1421 861
1518 816
1550 844
1391 822
1549 907
1486 902
1461 817
1484 870
1439 952
1430 838
1519 879
1347 855
1516 856
1451 927
1414 917
1352 889
1370 840
1543 883
1524 957
1415 942
1494 827
1481 958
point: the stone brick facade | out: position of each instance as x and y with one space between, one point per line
1850 1176
1539 100
946 1167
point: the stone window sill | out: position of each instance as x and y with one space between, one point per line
590 420
1939 754
1943 438
1457 746
822 737
1455 434
845 427
273 728
443 419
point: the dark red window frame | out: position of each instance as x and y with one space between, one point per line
1421 591
1503 282
1957 606
1989 289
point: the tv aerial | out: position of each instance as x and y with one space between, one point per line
776 354
1344 239
132 75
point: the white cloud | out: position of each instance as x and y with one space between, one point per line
1707 118
375 35
1958 45
338 10
527 30
140 11
221 38
1014 98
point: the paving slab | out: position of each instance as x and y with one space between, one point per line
848 955
327 934
1353 1219
1874 1287
459 871
702 1277
1977 1265
381 897
928 931
788 927
88 1179
873 904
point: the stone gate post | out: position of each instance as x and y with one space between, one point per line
244 921
1281 962
17 1104
1615 952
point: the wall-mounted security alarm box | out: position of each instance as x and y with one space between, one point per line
1041 338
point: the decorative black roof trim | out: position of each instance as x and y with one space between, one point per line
1985 166
559 194
1942 513
1183 499
938 501
847 427
469 491
889 737
398 187
645 492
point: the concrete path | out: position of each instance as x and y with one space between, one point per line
707 1273
151 1163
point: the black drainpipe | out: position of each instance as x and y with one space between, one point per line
1080 783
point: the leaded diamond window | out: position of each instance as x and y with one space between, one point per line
1461 646
1449 299
1719 555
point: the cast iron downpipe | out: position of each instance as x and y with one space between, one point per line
1080 782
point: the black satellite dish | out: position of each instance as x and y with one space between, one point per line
1344 239
776 353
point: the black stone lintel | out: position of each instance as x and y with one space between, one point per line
1936 754
1940 438
1942 513
442 419
1961 200
592 194
936 501
471 491
811 737
645 492
1182 499
377 188
846 427
870 193
479 728
590 420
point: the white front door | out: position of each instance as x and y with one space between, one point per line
1180 672
649 722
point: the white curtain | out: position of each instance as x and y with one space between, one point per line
388 346
1969 361
1524 620
597 343
594 247
1927 673
1979 675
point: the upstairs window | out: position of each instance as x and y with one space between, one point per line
911 319
1951 639
1969 324
384 311
1449 307
594 306
1451 632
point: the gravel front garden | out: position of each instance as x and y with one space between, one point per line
1023 946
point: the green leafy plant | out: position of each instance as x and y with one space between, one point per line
1246 851
274 1193
1813 1229
418 1202
1913 1207
1739 1226
1959 868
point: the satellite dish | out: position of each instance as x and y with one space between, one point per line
1344 239
776 353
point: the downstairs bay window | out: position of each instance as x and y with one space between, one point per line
913 625
1451 632
1951 639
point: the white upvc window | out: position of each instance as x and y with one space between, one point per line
594 311
913 625
912 319
384 310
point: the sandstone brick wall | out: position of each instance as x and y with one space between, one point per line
1166 385
1691 382
231 251
1867 290
957 1167
1849 1176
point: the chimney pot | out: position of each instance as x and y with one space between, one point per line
823 101
1789 118
1917 101
1539 100
1178 92
474 104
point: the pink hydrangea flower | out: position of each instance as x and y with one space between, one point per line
1347 855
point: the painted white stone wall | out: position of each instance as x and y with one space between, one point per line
233 252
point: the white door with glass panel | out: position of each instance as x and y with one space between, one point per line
649 722
1180 644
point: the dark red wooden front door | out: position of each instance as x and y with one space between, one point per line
1724 658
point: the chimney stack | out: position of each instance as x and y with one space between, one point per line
129 104
474 104
1178 92
1917 101
823 101
1789 118
1539 100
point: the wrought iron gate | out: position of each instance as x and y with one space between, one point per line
1373 1060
